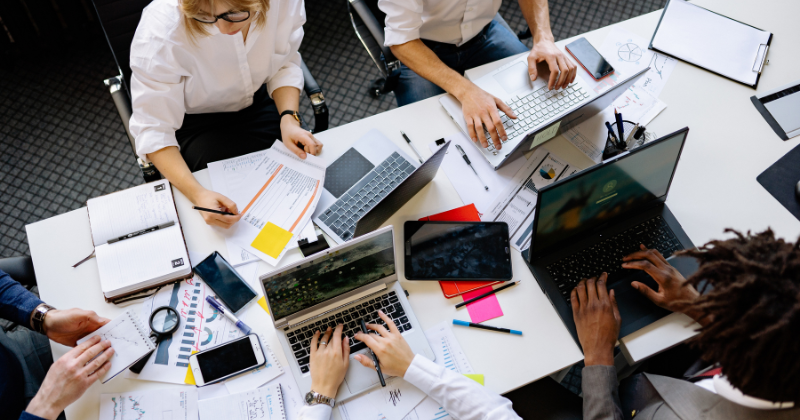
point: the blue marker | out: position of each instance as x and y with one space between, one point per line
224 311
485 327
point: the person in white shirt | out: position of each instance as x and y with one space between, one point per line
437 40
213 80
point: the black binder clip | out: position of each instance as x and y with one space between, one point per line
312 248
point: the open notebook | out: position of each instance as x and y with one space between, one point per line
143 261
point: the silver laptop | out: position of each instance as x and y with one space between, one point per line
540 112
367 184
341 285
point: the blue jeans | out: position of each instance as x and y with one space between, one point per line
493 43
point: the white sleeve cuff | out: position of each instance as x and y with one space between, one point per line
423 373
315 412
399 36
289 75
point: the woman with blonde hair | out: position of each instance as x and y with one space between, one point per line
215 79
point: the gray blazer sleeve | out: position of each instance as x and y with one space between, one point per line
600 393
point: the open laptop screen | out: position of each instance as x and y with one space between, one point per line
587 200
330 275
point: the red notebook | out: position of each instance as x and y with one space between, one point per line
467 213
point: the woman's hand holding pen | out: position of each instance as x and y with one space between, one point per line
214 200
393 351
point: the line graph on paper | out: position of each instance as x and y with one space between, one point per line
128 408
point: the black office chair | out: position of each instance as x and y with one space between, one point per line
119 20
369 23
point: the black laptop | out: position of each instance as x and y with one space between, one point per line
585 224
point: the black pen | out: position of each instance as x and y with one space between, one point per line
466 302
408 140
225 213
466 159
374 357
620 125
612 135
485 327
140 232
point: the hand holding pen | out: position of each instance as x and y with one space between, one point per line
389 346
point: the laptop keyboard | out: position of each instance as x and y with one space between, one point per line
537 107
389 303
606 256
342 216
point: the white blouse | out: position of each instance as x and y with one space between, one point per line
218 73
448 21
462 398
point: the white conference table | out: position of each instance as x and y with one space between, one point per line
715 187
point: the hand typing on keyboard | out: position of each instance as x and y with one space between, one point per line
330 357
480 110
393 351
673 293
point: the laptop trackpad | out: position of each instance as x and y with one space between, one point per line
358 377
635 309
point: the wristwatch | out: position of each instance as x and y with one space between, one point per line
37 321
314 398
294 114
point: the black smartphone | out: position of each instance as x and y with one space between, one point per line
457 251
227 360
225 282
589 58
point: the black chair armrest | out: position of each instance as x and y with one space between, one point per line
314 93
20 269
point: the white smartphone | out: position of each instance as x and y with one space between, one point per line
226 360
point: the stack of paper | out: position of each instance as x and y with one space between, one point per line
277 192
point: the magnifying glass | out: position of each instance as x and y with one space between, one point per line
163 322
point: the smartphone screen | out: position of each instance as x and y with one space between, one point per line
589 58
457 251
226 283
229 358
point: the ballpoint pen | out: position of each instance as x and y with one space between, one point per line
416 152
224 213
612 135
466 159
225 311
141 232
374 357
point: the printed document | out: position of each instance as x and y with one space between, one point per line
228 178
392 402
287 192
516 203
261 403
159 404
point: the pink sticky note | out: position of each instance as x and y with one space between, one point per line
483 309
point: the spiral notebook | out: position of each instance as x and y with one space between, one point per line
130 340
261 403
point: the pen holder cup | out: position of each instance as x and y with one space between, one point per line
611 150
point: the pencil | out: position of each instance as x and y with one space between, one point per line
486 294
226 213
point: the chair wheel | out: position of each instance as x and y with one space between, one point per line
376 87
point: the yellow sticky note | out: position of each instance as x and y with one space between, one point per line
477 377
189 375
272 239
263 303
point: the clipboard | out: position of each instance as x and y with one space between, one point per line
691 56
781 109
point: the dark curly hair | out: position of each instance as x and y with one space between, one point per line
753 303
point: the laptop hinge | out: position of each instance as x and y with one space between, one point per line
291 323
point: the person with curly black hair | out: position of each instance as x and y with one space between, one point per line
746 297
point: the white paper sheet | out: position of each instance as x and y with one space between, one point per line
447 349
709 40
467 185
292 398
516 203
392 402
129 339
289 190
228 178
261 403
160 404
636 105
628 54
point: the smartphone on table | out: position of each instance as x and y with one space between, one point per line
588 57
227 360
457 251
225 282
